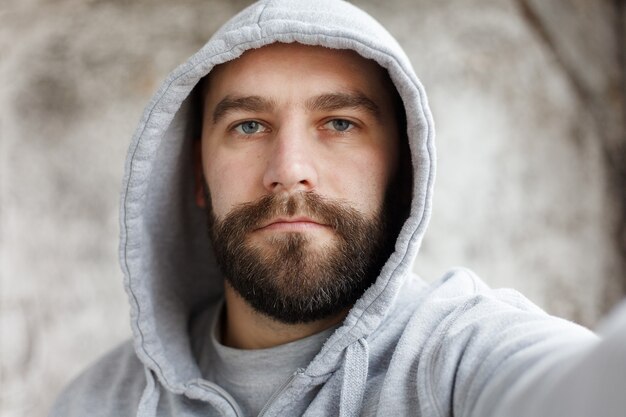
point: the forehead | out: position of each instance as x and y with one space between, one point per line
295 65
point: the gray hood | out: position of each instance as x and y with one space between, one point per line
165 252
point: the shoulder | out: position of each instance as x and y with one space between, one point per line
110 387
459 295
462 311
461 291
469 335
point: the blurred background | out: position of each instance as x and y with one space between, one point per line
528 99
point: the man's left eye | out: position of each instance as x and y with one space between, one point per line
340 125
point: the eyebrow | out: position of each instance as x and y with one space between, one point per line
248 103
337 101
323 102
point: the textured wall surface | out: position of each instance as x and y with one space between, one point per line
527 98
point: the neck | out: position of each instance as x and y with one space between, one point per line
245 328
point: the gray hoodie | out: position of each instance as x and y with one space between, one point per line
406 348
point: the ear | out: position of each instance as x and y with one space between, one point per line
198 174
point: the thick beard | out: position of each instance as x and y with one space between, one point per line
287 278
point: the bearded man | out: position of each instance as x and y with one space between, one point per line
276 194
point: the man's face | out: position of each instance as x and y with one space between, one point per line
299 146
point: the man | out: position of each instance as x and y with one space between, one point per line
276 193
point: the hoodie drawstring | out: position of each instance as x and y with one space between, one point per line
150 397
354 379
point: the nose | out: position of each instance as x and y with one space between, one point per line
291 164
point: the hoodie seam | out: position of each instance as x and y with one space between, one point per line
295 394
258 20
431 371
261 38
456 314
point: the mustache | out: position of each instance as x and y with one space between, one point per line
335 213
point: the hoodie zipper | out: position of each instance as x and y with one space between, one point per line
224 394
279 391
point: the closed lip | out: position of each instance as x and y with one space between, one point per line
291 222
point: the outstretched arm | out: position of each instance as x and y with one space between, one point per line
590 382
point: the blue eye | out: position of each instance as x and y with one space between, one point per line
340 125
249 127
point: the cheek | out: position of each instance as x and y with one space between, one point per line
223 193
381 168
364 179
231 182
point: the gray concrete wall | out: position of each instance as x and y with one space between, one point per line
527 97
